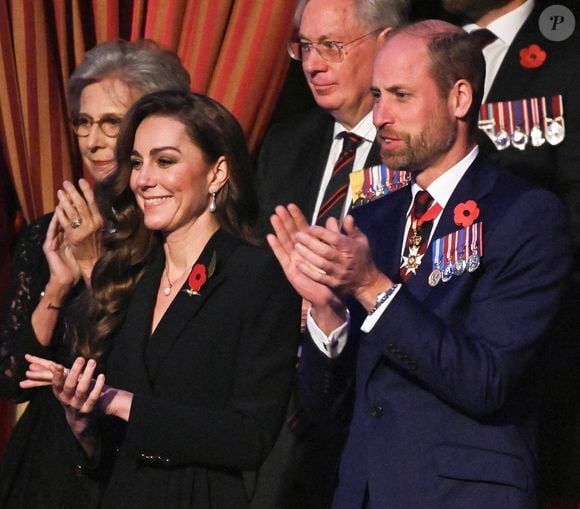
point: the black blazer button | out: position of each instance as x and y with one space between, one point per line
376 410
79 470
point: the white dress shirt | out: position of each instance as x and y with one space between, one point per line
367 131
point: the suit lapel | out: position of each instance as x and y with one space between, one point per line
511 81
315 157
129 342
374 156
383 221
185 307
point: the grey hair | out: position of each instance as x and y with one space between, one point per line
374 14
142 65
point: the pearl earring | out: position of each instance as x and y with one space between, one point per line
212 204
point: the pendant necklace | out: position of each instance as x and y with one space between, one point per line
167 289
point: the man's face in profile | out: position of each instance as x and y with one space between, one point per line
340 87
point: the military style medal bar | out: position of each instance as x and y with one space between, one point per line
524 122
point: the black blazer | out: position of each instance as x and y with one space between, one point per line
211 383
291 164
553 167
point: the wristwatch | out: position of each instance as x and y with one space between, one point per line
382 297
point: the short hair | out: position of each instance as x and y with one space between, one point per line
216 132
142 65
374 14
453 56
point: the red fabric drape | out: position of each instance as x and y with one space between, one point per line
234 50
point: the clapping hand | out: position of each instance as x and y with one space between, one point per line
328 308
81 221
77 388
64 270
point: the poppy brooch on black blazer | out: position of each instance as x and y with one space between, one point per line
532 57
199 276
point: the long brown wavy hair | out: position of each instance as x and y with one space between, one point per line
128 245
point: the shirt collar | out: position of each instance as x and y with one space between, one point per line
443 186
507 26
365 128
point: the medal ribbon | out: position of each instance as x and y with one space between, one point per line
518 112
557 106
463 242
476 235
436 255
544 114
511 126
384 176
535 111
501 119
524 104
448 248
367 182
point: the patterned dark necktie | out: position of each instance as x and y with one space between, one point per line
418 234
333 201
483 37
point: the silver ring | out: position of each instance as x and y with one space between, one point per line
76 223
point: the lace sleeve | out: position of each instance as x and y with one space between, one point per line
28 277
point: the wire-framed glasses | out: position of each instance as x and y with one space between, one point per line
108 124
330 51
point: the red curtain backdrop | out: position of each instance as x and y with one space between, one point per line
233 49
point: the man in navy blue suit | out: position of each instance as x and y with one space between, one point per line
429 306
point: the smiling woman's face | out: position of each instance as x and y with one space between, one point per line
171 178
107 99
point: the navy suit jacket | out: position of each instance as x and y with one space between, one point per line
444 392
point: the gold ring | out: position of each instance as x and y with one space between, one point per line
76 223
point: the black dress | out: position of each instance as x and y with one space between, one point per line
39 467
211 383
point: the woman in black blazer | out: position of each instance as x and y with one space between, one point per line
193 326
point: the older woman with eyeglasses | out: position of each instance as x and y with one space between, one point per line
53 260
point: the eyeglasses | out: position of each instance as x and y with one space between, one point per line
330 51
109 125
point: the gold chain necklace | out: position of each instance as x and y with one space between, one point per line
167 289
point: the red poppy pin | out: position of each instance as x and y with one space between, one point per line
465 214
199 276
532 57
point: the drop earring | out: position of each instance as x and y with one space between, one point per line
212 204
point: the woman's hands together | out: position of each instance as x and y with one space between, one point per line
77 388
